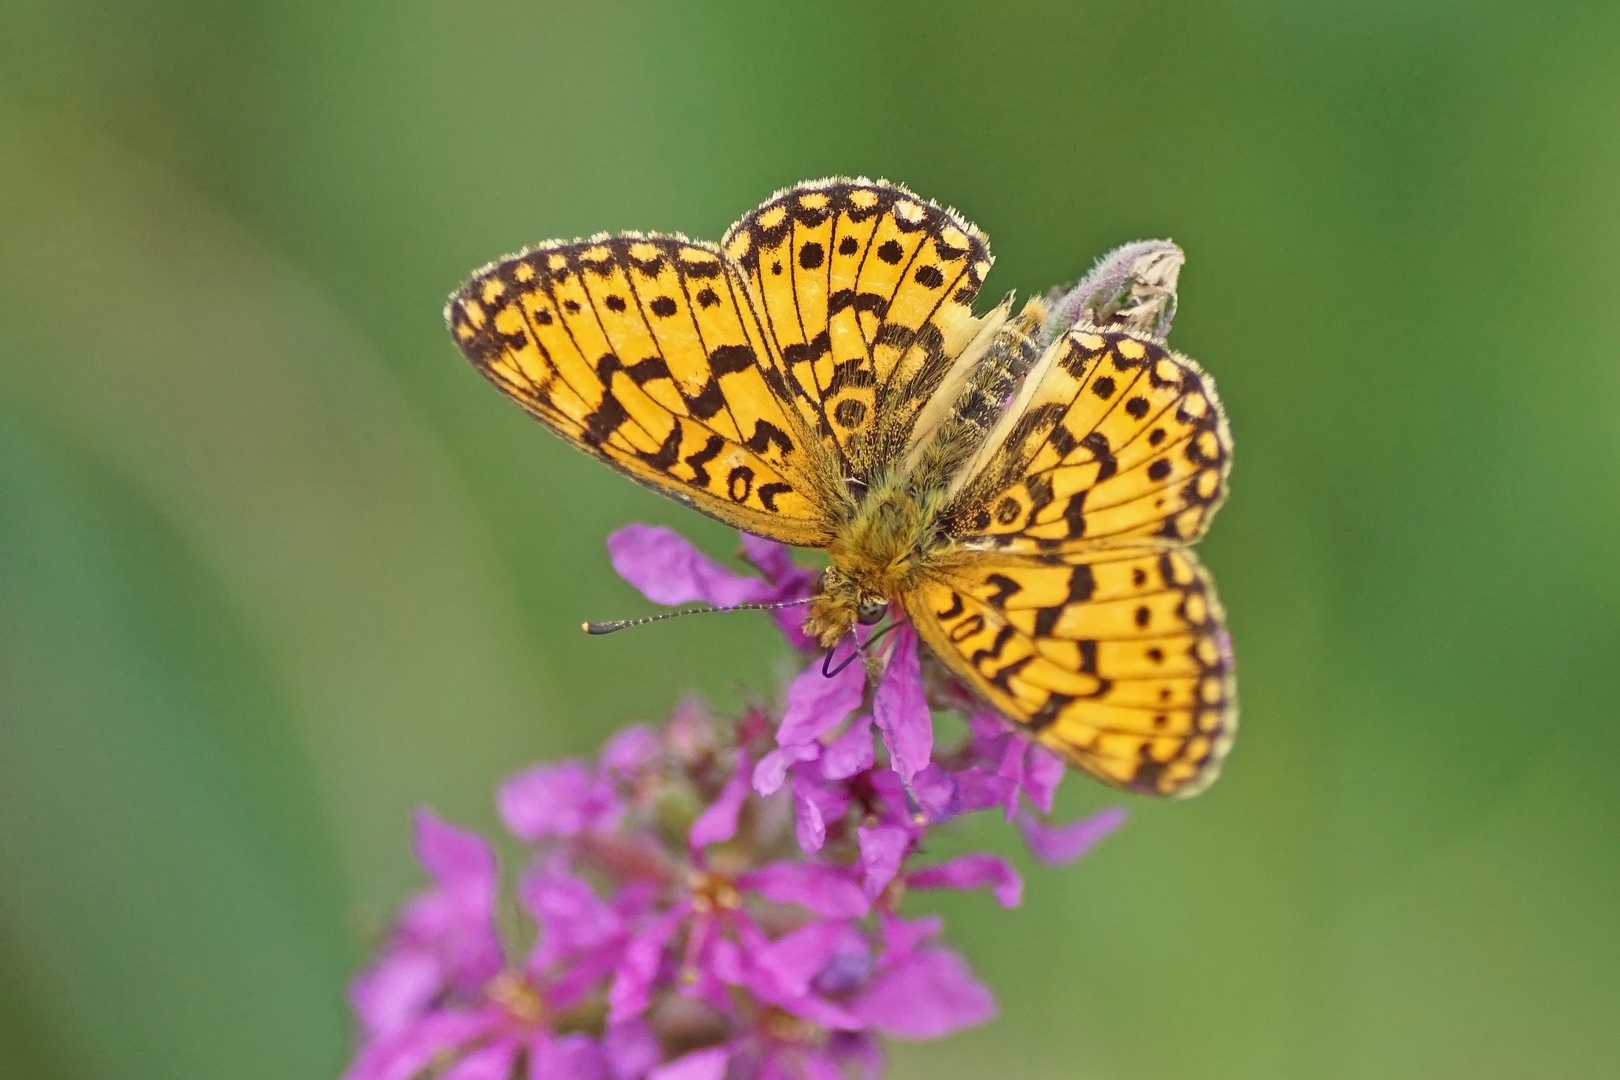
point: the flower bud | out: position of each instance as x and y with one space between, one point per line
1131 288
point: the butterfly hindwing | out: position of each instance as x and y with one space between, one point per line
1114 440
867 289
646 351
1118 659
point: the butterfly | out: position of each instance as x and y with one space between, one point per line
1026 493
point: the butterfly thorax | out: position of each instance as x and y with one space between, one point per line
892 538
879 555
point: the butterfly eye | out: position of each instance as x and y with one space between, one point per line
871 609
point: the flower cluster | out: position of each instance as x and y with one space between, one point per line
717 897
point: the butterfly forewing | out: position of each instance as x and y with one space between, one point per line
1118 659
868 290
1116 440
646 351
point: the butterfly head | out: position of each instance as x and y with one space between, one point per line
839 604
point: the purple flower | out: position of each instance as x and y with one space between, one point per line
445 938
711 910
901 709
1063 844
817 757
663 896
565 799
824 997
444 990
1024 766
666 569
921 990
884 848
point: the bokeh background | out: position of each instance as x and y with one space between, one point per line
276 565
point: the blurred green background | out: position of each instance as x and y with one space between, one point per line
276 565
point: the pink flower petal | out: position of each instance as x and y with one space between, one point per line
773 560
793 959
631 990
1043 769
719 821
490 1062
1062 844
851 753
857 1054
988 727
972 872
395 990
457 917
814 1065
631 751
978 788
572 919
632 1049
407 1052
937 793
1014 751
827 891
928 995
571 1057
818 1010
817 704
552 800
901 710
457 859
666 569
809 823
772 769
902 937
707 1064
726 962
850 965
883 849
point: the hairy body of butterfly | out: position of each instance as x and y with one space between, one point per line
1025 490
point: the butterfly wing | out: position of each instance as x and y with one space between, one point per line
1114 439
646 352
868 291
1118 659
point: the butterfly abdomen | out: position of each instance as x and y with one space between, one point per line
994 380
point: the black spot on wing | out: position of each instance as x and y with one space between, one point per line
767 494
806 352
603 421
1049 711
1097 443
644 371
706 402
766 435
697 461
730 359
1004 586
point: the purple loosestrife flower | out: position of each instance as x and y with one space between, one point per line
717 898
666 569
444 991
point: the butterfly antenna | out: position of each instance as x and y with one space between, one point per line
625 624
826 661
